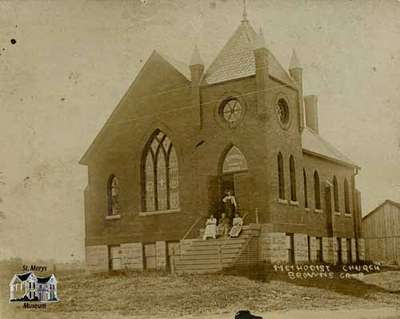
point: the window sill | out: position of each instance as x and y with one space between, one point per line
307 209
160 212
348 215
337 213
318 210
282 201
110 217
294 203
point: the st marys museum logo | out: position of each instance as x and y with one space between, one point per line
28 287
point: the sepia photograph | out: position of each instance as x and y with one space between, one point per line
200 159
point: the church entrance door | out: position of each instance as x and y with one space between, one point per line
234 177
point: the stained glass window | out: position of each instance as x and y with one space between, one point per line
161 174
317 191
113 195
173 180
335 194
293 195
231 110
305 189
281 177
346 197
149 185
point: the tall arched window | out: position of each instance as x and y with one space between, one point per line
160 174
335 194
305 189
346 197
281 177
113 195
292 168
317 191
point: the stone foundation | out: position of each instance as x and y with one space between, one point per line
300 248
132 256
97 258
361 248
328 252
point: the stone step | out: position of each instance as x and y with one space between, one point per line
215 261
197 271
194 258
218 241
216 252
198 266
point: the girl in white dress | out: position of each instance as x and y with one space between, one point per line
211 228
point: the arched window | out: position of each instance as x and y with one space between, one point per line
281 177
305 189
293 195
113 195
160 175
346 197
335 194
317 191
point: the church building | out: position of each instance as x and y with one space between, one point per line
183 134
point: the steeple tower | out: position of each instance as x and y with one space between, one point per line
296 72
244 14
196 72
196 66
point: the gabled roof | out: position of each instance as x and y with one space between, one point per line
21 277
181 69
314 144
236 59
388 201
24 276
44 280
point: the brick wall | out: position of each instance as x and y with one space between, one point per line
170 102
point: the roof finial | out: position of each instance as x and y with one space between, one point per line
196 58
244 15
294 61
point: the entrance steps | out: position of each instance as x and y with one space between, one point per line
213 255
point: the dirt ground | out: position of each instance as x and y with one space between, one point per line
133 295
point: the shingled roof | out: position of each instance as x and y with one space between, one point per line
236 59
315 144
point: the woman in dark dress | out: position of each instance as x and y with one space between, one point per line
229 205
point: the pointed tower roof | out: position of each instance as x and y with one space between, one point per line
294 61
236 59
196 58
244 14
260 40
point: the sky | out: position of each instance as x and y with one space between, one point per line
72 61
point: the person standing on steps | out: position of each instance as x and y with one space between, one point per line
230 205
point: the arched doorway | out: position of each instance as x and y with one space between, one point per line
233 163
233 176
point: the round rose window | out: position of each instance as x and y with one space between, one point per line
231 110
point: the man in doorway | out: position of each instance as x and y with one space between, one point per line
230 205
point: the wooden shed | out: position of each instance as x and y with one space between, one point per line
381 231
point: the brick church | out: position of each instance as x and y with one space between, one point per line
184 133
